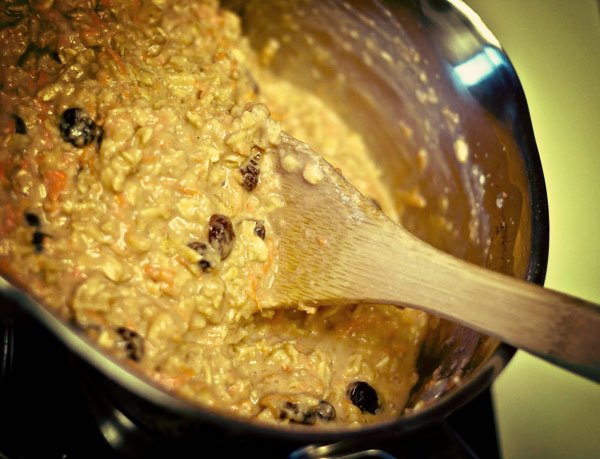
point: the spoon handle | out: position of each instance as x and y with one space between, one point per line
557 327
336 248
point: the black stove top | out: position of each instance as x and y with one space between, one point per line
50 409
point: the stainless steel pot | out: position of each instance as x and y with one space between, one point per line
438 101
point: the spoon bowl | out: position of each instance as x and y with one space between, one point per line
336 247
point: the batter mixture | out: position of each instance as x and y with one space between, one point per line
135 200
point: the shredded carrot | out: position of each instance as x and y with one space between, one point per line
249 206
42 79
159 274
254 288
254 278
135 9
5 264
63 41
56 181
115 56
44 109
24 164
272 253
52 16
102 78
97 21
46 135
219 56
120 198
87 159
121 208
95 317
30 84
11 125
187 191
149 158
173 381
78 273
9 218
179 259
135 6
89 32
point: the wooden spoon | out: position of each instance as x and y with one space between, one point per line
336 247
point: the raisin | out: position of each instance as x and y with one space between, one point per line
325 411
362 395
77 128
221 235
99 136
201 248
250 180
134 343
289 410
29 56
250 171
32 219
197 246
38 241
259 229
12 14
33 53
20 127
205 265
308 419
54 55
293 412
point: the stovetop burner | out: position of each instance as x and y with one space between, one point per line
53 406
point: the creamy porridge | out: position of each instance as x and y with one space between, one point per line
135 201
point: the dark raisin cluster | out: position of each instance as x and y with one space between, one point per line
221 238
251 170
221 235
201 248
259 229
78 128
38 237
292 411
37 240
133 343
20 127
32 219
362 395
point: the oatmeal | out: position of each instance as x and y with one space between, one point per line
136 198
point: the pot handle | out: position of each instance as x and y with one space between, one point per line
393 445
337 450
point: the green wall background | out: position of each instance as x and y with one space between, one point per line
545 412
